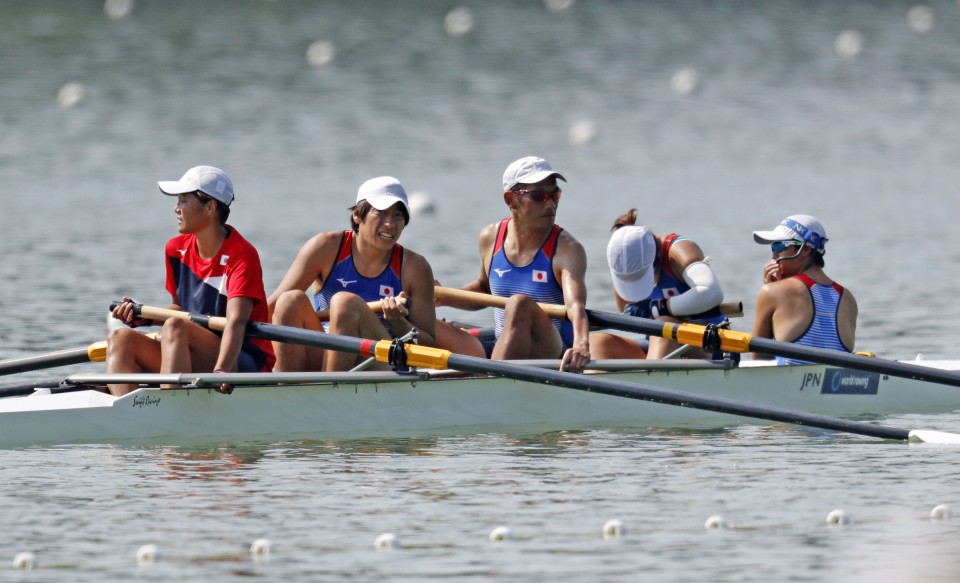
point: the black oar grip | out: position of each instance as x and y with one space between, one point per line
117 303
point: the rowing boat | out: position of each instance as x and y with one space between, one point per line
384 404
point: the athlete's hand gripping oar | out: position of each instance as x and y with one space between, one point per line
730 309
424 356
375 306
96 352
735 341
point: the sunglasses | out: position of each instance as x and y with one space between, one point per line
541 196
781 246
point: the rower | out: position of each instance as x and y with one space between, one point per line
798 302
662 277
346 269
529 258
212 271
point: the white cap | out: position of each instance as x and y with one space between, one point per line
209 180
382 193
630 255
802 228
528 171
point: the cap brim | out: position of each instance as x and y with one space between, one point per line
781 233
385 201
175 187
538 176
634 290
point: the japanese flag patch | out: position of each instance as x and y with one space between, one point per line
386 290
539 276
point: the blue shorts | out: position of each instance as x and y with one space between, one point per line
251 361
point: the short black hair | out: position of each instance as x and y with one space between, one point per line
223 211
363 208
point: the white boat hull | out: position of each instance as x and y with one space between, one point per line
454 405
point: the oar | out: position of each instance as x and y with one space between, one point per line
375 306
424 356
736 341
731 309
96 352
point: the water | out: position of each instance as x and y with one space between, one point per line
778 123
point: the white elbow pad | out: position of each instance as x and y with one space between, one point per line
704 294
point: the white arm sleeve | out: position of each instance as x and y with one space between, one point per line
704 293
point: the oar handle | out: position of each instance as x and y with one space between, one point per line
730 309
375 306
492 301
218 323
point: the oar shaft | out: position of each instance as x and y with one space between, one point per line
617 388
732 309
736 341
95 352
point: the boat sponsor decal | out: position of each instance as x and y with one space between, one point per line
141 401
840 381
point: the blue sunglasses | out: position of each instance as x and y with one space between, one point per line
781 246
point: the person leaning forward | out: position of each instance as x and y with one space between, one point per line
798 302
211 270
347 269
663 277
529 258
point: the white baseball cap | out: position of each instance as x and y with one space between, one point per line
209 180
383 192
527 171
802 228
630 254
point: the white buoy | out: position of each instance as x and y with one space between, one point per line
558 5
321 53
501 533
920 18
715 522
25 561
421 203
260 549
117 9
684 82
940 512
848 44
838 517
386 541
582 132
459 21
148 554
70 94
613 528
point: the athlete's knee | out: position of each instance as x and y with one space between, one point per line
288 304
520 309
174 330
120 338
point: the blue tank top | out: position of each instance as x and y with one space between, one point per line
535 279
670 285
823 331
344 277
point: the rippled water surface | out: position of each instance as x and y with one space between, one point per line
714 119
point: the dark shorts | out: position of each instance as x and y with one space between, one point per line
251 360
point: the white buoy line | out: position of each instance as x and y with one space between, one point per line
261 548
